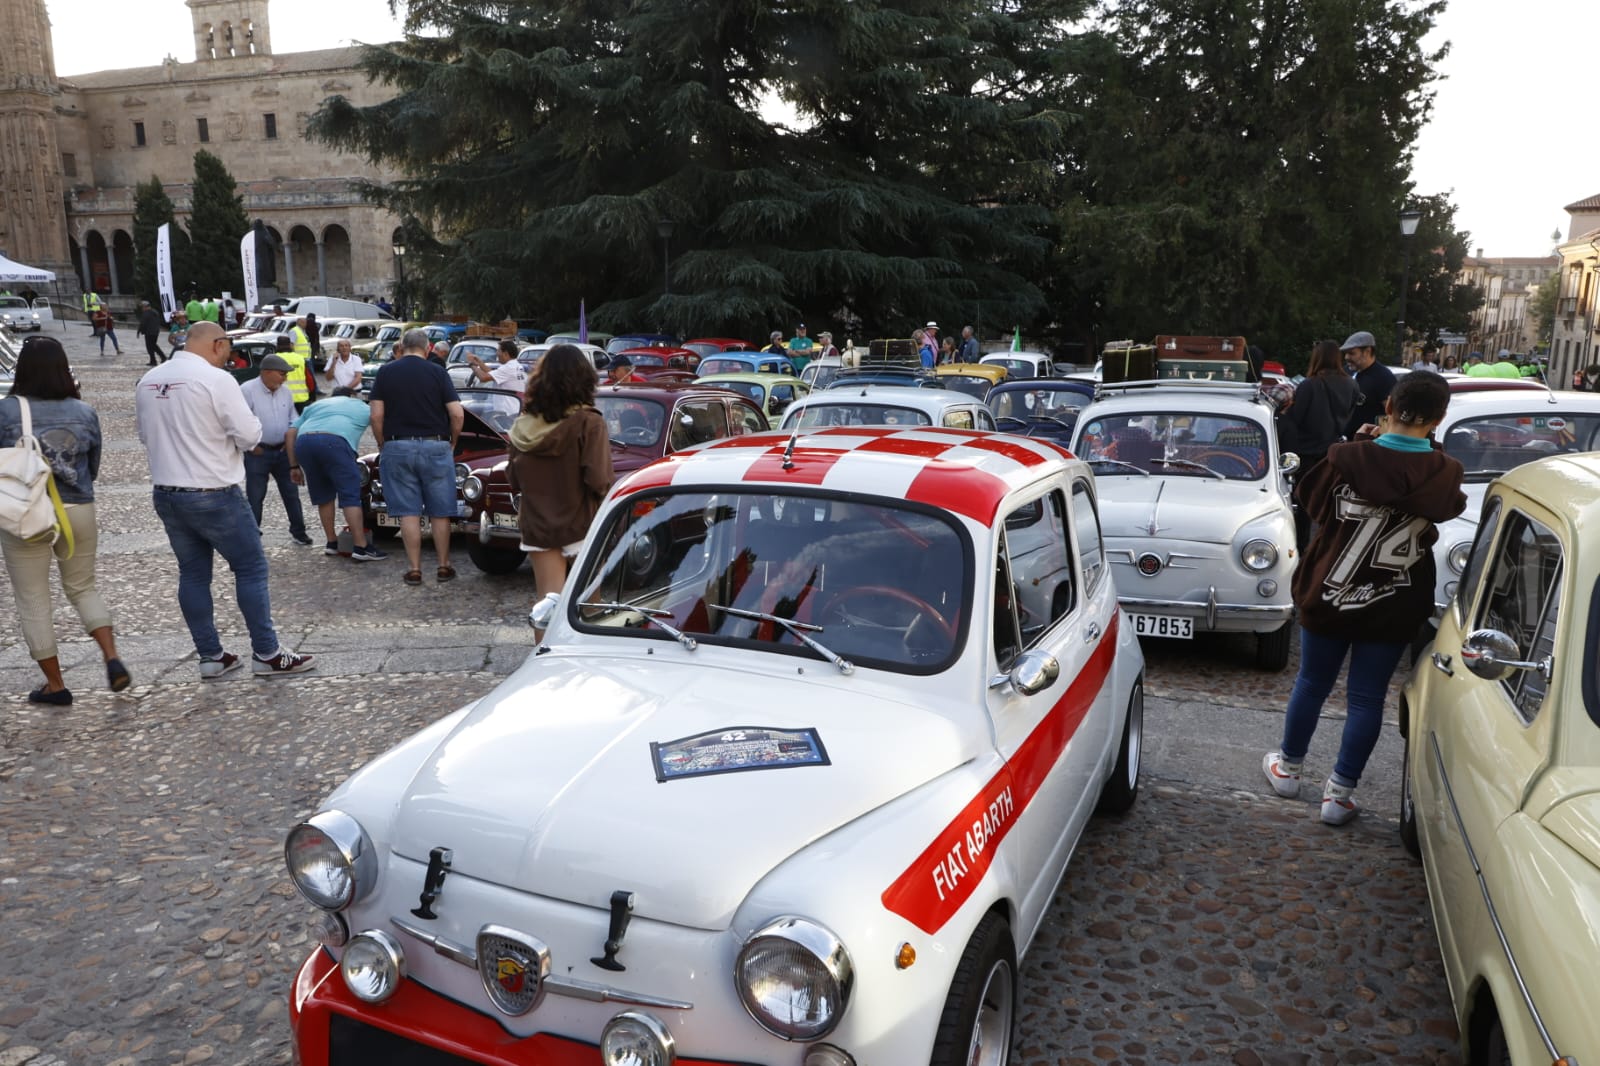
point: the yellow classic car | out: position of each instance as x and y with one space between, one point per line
1501 790
772 392
974 379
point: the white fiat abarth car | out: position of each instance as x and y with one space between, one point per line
1195 505
792 779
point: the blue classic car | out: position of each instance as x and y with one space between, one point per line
745 363
1039 407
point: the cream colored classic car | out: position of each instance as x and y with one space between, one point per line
1501 791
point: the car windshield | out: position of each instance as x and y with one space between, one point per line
1025 405
751 389
13 302
499 409
973 386
647 360
1488 447
856 414
632 419
1181 443
702 349
878 583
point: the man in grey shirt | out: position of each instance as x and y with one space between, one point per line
273 405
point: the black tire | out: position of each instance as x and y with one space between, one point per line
493 560
1408 807
1489 1047
978 1025
1272 649
1122 787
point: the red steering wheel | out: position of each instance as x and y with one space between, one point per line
922 606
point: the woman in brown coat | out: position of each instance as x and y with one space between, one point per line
560 463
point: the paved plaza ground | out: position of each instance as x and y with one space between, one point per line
145 916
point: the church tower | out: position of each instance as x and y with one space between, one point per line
229 29
33 213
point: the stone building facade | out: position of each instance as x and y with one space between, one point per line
1501 322
89 139
1575 340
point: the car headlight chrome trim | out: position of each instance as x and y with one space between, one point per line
373 965
365 474
331 860
1458 555
472 488
634 1037
1259 555
806 966
462 470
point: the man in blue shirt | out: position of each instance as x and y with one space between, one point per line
322 446
416 420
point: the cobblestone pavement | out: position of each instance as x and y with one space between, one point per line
145 918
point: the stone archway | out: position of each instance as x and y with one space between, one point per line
338 272
122 262
300 252
97 262
75 250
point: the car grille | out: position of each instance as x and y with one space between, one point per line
354 1043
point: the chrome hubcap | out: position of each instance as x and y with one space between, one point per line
1135 734
991 1030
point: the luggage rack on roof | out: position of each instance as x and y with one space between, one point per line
1250 389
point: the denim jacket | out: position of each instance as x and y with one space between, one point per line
68 432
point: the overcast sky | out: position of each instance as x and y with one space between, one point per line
1511 138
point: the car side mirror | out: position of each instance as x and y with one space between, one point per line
1288 462
1032 673
1492 655
544 612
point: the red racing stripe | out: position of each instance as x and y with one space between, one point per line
807 467
1010 449
921 449
949 870
953 487
657 475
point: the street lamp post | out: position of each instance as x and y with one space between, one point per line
1408 229
665 228
400 283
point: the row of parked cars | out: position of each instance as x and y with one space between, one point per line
822 712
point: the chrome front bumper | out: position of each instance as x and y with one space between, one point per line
1237 617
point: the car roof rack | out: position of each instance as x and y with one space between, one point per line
1247 389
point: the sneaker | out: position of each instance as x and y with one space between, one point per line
301 539
226 663
331 548
368 554
1284 776
1337 806
284 662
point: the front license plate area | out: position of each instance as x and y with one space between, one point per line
384 520
1161 625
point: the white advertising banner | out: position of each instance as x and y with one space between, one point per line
169 296
247 257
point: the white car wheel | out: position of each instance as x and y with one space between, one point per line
980 1015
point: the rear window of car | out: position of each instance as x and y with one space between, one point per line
722 366
856 414
632 419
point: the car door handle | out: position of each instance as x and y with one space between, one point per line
1091 634
1442 663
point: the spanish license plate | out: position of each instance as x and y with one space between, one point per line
384 520
503 521
1160 625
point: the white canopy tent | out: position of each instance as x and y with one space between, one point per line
12 272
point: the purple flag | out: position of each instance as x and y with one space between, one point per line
583 324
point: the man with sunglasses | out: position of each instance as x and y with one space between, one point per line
196 428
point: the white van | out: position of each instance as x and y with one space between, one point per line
333 307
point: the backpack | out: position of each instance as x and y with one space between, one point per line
30 507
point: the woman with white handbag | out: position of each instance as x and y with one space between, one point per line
45 404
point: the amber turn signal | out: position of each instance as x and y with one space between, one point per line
905 957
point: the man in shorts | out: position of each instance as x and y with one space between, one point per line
416 420
322 446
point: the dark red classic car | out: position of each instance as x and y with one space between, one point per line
647 420
663 364
487 418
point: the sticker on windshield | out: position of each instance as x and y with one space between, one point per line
735 750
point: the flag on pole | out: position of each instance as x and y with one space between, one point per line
583 323
247 259
169 298
1016 340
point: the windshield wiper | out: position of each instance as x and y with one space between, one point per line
799 629
1191 462
655 616
1118 462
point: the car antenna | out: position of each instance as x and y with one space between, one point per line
788 449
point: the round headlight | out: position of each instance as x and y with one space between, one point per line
794 978
462 470
472 488
634 1038
1458 556
1259 555
366 474
331 860
373 966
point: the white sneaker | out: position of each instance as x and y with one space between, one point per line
1284 776
1337 806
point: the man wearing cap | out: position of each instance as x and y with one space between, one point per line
799 348
620 369
273 406
1374 381
825 348
775 345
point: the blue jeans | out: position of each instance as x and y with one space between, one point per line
273 463
1372 664
198 524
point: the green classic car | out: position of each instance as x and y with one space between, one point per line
773 393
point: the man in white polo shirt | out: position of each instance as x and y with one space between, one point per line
196 427
507 374
344 369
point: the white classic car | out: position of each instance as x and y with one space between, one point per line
1196 509
815 727
1493 431
1501 790
17 314
887 405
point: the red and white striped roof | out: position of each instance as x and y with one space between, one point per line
958 470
